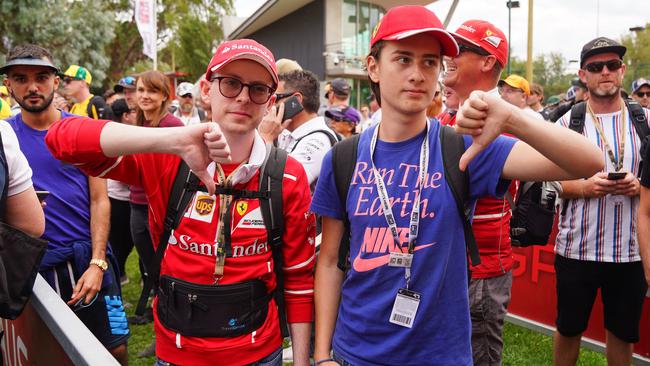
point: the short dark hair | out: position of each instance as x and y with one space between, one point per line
375 52
306 83
29 50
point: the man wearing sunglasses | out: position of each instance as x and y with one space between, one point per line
76 85
187 111
483 55
641 92
596 247
126 86
305 136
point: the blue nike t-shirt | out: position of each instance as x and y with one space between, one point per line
441 330
67 210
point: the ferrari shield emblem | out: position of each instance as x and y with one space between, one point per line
242 206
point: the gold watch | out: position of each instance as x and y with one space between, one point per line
102 264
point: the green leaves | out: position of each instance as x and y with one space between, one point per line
102 35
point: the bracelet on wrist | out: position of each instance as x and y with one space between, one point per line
318 362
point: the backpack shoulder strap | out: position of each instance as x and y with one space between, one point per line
4 170
638 118
344 160
452 146
271 175
333 139
185 184
577 120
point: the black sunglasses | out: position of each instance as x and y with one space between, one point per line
642 94
231 87
472 49
597 66
279 96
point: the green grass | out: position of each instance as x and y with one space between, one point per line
522 347
141 335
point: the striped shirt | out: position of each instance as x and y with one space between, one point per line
603 229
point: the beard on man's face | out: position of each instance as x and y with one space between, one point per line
35 107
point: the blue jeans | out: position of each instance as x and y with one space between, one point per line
274 359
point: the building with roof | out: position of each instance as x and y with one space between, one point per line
328 37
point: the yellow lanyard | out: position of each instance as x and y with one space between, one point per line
618 163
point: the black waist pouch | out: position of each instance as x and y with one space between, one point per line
212 311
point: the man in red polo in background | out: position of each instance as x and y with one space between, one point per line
483 55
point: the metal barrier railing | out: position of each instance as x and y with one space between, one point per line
25 341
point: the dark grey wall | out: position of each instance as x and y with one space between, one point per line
298 36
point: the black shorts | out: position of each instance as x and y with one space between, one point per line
104 316
623 288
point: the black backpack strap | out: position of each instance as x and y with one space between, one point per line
4 166
452 146
577 120
344 160
333 139
638 118
184 186
272 173
577 124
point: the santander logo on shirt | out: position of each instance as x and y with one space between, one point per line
187 243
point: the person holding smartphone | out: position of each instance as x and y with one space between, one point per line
596 247
295 124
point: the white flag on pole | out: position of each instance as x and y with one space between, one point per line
145 18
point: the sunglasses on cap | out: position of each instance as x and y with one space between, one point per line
477 50
597 66
280 96
642 94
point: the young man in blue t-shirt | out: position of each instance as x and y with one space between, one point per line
77 212
404 300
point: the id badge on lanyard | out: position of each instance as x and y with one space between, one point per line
406 301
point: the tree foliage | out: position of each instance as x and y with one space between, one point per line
188 31
75 32
637 56
549 70
103 36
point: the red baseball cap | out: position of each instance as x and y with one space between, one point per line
406 21
485 35
242 49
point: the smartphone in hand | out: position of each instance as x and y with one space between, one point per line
292 107
42 195
616 175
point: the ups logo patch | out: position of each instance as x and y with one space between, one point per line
204 205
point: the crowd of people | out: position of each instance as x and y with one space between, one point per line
223 186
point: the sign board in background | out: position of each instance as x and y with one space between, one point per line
534 299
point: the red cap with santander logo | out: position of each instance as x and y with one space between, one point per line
240 49
485 35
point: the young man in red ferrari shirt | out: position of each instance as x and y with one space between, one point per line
239 85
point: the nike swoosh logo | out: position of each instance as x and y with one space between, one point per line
368 264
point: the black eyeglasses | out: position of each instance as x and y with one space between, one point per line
612 65
479 51
231 87
280 96
68 80
642 94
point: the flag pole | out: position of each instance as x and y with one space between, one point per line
155 36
